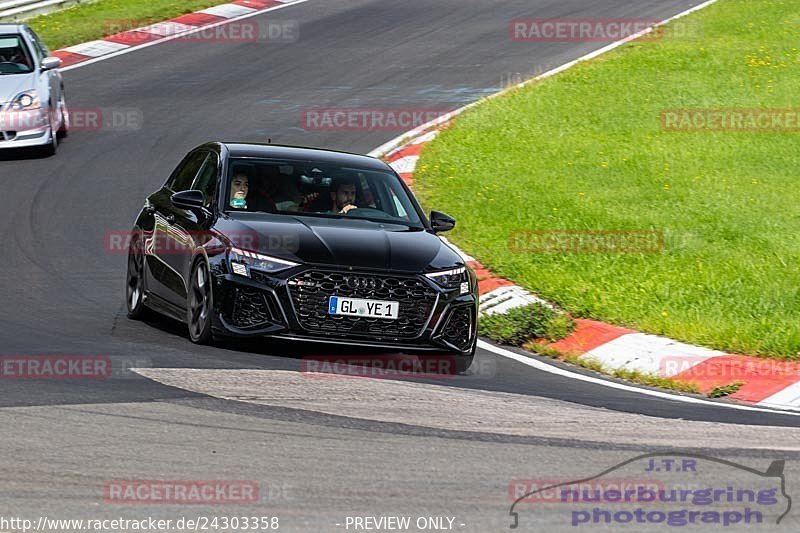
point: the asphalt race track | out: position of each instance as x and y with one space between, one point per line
320 449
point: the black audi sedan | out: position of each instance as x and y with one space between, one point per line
252 240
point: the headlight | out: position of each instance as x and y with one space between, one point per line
26 101
452 279
239 258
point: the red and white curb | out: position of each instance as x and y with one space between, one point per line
766 382
182 26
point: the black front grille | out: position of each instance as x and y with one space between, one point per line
311 290
458 329
251 308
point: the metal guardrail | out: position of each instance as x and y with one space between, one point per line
16 10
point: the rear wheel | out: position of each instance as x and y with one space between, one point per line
198 308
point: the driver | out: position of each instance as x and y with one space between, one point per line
343 195
240 185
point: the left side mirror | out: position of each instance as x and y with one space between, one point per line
50 63
441 222
190 200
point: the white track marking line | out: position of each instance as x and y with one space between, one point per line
172 37
544 367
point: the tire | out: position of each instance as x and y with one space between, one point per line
135 283
463 362
199 304
63 131
50 149
450 363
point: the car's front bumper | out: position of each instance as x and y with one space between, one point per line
25 139
439 320
21 129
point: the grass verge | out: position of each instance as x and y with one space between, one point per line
523 324
585 151
87 22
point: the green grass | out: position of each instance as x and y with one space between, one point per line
585 150
87 22
523 324
653 380
725 390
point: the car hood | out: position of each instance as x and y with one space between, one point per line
340 242
13 84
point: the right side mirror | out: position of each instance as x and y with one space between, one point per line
441 222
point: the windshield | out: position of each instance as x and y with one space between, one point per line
318 189
14 56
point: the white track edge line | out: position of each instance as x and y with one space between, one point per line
545 367
178 35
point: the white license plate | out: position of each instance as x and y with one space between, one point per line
338 305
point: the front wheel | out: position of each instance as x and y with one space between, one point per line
198 308
63 131
462 363
51 147
134 288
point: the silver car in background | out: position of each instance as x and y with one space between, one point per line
33 111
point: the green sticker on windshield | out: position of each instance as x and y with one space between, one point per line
239 203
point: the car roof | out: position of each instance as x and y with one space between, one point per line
10 28
278 151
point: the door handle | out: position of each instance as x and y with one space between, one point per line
171 219
150 210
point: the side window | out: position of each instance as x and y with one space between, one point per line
183 177
206 180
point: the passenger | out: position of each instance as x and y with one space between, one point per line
240 185
289 198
